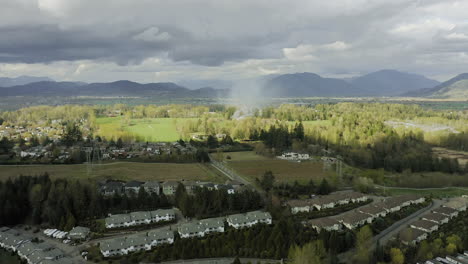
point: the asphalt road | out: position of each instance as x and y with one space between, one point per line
392 230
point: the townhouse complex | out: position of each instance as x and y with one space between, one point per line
31 252
168 188
196 229
140 218
365 214
419 230
325 201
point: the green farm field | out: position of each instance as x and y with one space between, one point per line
251 166
146 129
119 171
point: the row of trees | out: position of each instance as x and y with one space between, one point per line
208 203
64 203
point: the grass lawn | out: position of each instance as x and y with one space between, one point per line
118 170
252 166
440 193
146 129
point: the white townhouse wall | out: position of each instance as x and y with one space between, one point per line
118 220
140 218
189 230
163 215
249 219
159 237
212 225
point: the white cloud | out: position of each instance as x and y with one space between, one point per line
456 36
152 34
423 29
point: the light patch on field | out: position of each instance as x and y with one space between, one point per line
146 129
461 156
251 165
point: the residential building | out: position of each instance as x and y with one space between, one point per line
112 247
118 220
412 236
161 236
354 219
112 187
140 218
170 187
374 210
163 215
439 219
137 243
152 187
249 219
79 233
132 187
190 230
326 223
213 225
424 225
447 211
299 206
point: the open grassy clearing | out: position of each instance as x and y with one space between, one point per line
461 156
146 129
252 166
118 170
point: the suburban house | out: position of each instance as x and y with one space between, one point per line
374 210
424 225
152 187
227 187
354 219
170 187
132 186
213 225
190 187
189 230
112 187
447 211
412 236
78 233
326 223
118 220
439 219
159 237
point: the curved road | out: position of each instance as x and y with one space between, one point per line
392 230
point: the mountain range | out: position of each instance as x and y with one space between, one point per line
21 80
380 83
112 89
455 88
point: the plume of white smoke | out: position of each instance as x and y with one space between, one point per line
248 96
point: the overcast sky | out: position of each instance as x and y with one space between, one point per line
175 40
